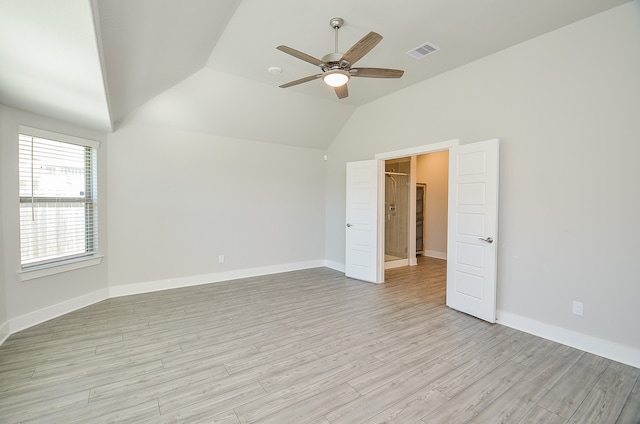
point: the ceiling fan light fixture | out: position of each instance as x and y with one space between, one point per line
336 77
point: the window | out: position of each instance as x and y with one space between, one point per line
58 197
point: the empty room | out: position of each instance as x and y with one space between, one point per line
319 212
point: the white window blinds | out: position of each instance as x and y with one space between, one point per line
58 197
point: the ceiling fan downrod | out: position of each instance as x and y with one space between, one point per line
332 61
336 23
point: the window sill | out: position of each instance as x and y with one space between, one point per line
59 267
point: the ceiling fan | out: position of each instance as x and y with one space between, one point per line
336 67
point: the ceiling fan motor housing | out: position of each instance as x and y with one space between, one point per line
334 61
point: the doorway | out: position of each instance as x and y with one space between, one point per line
364 233
472 222
415 209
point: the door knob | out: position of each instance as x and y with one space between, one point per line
488 239
349 225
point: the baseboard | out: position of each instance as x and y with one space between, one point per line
34 318
605 348
396 264
54 311
337 266
434 254
195 280
5 331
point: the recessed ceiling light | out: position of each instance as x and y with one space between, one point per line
275 70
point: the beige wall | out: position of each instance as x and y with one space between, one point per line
433 170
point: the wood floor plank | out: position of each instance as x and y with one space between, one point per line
201 415
480 342
411 407
631 411
312 334
258 358
477 396
216 354
31 409
304 389
119 414
420 346
567 395
548 372
37 391
539 415
537 350
304 410
304 346
512 406
282 364
606 399
355 358
367 406
153 385
469 372
214 398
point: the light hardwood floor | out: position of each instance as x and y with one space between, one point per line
303 347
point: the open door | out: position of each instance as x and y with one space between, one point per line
361 255
473 229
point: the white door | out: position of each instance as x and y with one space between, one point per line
362 221
473 229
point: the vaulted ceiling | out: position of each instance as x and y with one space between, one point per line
202 65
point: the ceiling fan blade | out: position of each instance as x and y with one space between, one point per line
362 47
376 73
342 91
301 80
300 55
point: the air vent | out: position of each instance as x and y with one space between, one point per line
423 51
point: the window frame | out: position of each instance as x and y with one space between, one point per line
91 256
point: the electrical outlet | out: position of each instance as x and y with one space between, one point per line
220 259
578 308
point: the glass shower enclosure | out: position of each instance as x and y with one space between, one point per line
396 213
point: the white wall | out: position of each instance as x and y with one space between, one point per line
178 200
433 170
565 107
28 302
4 327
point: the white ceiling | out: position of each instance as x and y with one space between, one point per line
49 63
202 65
